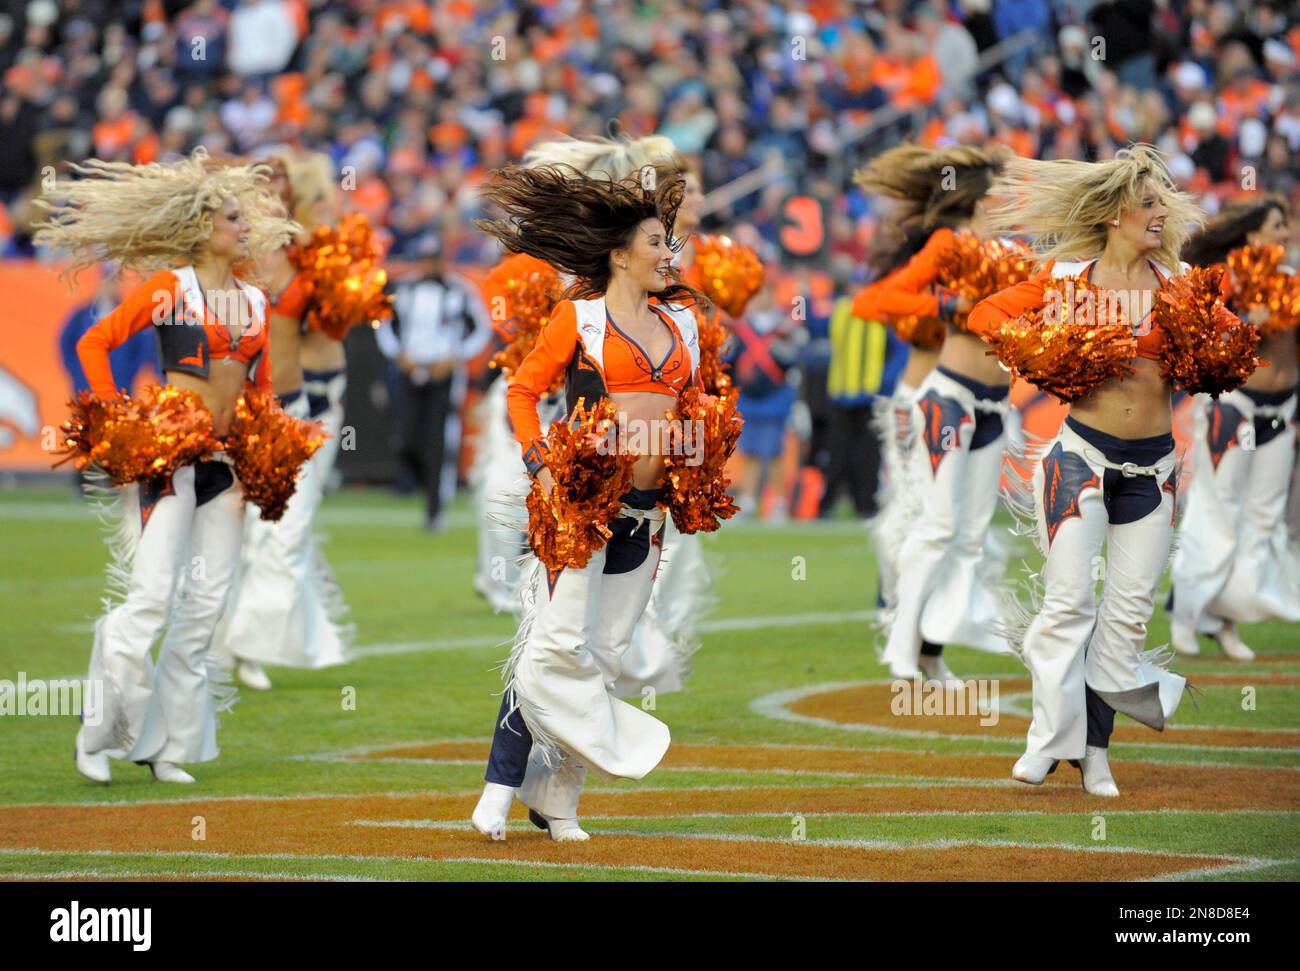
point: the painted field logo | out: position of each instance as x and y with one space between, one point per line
57 697
130 924
933 698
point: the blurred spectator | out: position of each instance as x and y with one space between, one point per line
137 354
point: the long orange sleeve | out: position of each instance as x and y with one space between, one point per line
914 289
535 376
1008 304
133 315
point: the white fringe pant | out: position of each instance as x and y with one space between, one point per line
1234 561
563 672
165 711
900 503
1073 643
501 486
943 584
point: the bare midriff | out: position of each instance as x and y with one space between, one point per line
286 357
967 355
318 352
920 362
219 390
645 415
1137 406
1281 374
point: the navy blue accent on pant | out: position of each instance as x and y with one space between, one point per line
1101 719
988 424
1268 427
1127 499
510 747
931 650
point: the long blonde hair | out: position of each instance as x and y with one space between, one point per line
608 158
155 216
312 178
936 186
1068 205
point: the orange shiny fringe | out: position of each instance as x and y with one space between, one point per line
976 268
729 273
1061 348
1259 282
530 298
136 439
713 334
1207 349
697 493
341 270
268 448
926 333
568 524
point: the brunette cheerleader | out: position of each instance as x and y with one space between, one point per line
1234 562
942 588
1109 478
628 335
287 608
192 224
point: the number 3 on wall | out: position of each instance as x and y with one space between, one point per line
803 229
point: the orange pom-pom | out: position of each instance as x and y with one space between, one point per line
568 524
977 268
268 448
132 440
1259 282
729 273
926 333
696 484
1078 340
1206 349
340 269
530 296
713 334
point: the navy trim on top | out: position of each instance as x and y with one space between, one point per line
656 369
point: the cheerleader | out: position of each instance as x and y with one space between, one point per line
286 605
1109 477
663 642
942 586
1233 562
191 224
624 336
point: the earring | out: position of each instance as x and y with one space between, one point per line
1114 222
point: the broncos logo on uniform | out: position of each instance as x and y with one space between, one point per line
944 418
1222 433
1065 476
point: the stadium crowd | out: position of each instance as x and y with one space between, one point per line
416 101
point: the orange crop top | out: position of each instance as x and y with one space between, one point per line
913 289
293 300
626 368
1014 301
187 341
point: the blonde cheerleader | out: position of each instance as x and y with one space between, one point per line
627 336
189 224
287 608
1234 562
1109 478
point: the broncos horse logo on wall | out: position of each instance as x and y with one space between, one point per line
944 418
18 410
1065 476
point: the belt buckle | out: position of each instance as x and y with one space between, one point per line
1129 470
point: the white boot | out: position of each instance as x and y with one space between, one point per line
1033 769
252 675
169 772
1232 644
1183 638
1097 779
935 670
93 767
493 809
561 830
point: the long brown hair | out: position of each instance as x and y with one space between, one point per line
935 188
1227 229
573 221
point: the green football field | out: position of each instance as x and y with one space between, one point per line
788 759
